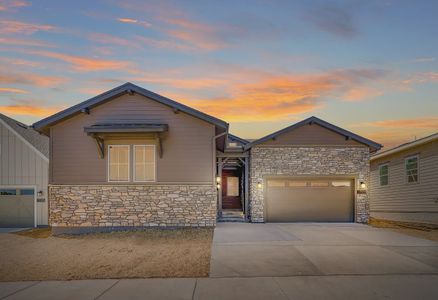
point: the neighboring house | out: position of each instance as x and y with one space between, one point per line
130 157
24 167
404 182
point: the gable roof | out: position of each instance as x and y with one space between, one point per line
406 146
322 123
31 137
126 88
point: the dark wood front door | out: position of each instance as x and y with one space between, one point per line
231 190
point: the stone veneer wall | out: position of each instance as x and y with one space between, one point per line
132 205
312 161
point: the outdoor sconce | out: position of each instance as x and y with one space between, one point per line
218 186
218 179
362 185
40 193
259 185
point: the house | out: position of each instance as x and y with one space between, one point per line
24 168
130 157
404 182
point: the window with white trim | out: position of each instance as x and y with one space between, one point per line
411 167
144 163
383 175
118 163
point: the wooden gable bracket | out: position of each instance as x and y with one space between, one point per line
100 143
160 145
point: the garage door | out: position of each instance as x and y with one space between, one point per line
309 200
17 207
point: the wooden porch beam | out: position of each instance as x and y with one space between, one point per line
100 144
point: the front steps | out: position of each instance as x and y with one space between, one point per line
232 215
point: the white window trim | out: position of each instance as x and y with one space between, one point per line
380 166
155 164
129 163
406 170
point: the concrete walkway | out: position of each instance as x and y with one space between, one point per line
297 287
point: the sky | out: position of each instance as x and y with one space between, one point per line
370 67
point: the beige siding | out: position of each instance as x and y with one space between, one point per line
21 165
311 135
187 146
402 197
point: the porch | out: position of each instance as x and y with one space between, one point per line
233 186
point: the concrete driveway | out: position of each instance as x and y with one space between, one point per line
257 250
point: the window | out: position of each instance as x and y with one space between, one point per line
233 186
319 183
297 183
144 163
118 163
8 192
411 167
341 183
29 192
383 175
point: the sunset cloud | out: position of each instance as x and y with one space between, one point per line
24 42
424 123
28 110
84 64
17 27
32 79
12 91
201 35
249 95
134 21
12 4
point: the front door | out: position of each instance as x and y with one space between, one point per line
231 191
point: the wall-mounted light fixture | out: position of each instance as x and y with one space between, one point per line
218 179
259 185
40 193
218 186
362 185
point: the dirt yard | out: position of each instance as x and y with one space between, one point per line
429 232
37 255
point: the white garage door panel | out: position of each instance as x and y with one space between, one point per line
313 200
17 210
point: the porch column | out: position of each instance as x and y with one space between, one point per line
219 191
246 188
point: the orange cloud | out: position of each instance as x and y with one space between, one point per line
244 94
134 21
200 35
17 27
13 91
425 123
24 42
11 4
361 93
30 79
28 110
84 64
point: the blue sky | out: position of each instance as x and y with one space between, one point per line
368 66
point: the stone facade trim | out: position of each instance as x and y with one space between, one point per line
146 205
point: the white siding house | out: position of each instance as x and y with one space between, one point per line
24 167
404 182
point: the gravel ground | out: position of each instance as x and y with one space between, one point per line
36 255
